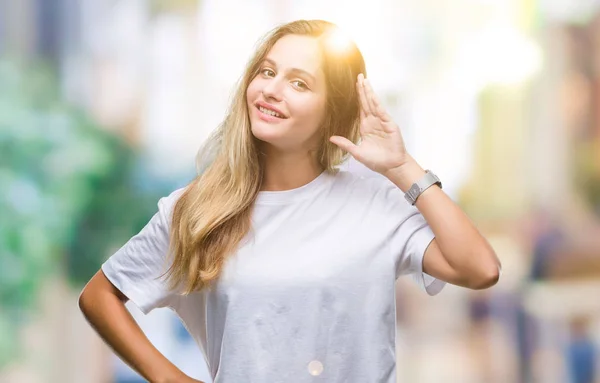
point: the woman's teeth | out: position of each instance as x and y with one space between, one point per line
269 112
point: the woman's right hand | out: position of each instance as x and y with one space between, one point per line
103 305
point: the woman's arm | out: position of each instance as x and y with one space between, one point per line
459 254
103 305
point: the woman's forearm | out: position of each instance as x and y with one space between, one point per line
465 251
107 314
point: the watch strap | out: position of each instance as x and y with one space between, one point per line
421 185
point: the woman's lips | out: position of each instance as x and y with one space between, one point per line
271 108
267 117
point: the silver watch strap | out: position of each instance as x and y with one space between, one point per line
420 186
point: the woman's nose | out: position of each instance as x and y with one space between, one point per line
272 89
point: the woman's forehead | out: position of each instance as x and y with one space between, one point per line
296 52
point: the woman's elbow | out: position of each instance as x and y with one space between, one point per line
83 302
487 278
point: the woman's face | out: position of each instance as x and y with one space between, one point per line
286 100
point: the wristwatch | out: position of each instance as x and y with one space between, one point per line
421 185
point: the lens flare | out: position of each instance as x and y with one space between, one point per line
337 40
315 368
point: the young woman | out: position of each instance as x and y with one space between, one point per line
281 266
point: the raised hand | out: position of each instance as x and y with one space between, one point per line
381 148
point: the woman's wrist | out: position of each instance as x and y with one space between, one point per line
406 175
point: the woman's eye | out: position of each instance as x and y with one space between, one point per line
268 72
299 84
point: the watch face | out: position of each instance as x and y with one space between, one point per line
418 187
414 190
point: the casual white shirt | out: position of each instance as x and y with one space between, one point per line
310 294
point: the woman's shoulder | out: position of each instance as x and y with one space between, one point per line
166 204
364 182
176 194
372 190
367 177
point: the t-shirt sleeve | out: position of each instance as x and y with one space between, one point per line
135 268
411 235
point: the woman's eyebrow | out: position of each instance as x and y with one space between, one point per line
292 70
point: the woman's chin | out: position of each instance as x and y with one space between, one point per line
267 134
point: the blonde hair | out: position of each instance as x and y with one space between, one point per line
213 214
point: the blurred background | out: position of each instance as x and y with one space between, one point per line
104 103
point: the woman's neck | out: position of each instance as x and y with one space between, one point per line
285 171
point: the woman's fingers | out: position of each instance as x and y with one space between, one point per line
361 108
375 106
370 95
344 143
364 102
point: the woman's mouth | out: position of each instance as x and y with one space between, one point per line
269 112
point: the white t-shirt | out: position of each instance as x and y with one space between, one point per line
310 294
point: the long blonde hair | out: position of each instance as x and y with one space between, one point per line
213 214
